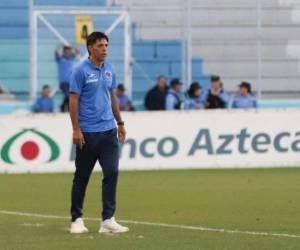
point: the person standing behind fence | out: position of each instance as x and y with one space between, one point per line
156 97
44 103
124 102
215 97
245 99
65 63
193 100
174 99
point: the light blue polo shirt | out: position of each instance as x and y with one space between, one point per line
65 67
43 104
172 99
94 86
244 102
123 100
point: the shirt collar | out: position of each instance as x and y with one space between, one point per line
88 62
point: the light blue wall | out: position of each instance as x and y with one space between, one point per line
155 57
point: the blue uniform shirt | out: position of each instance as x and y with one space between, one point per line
194 103
173 100
44 105
223 95
94 86
244 102
65 67
122 101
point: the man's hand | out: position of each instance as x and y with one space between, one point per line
76 51
214 92
121 134
78 138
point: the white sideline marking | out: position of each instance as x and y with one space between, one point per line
195 228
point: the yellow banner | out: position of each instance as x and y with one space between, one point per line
83 26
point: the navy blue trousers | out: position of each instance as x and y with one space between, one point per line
102 147
64 87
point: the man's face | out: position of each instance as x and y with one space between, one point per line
99 50
120 92
67 52
198 92
46 92
177 88
243 91
161 83
216 85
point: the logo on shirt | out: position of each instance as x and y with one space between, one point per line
92 78
107 75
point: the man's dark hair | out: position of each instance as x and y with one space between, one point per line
215 78
93 37
247 86
46 86
160 76
175 82
66 47
193 88
121 87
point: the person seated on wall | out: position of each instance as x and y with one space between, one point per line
44 103
156 97
193 100
124 102
174 98
245 99
215 97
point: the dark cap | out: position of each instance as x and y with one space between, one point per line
194 87
246 85
215 78
66 47
121 87
175 82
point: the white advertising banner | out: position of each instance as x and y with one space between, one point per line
160 140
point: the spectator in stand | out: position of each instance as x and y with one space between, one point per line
245 99
216 97
123 100
193 100
44 104
65 63
174 99
156 97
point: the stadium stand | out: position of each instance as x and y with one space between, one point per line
224 34
155 57
224 42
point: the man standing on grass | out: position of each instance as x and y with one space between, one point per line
93 110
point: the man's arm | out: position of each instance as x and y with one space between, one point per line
203 97
118 118
170 102
37 106
57 53
147 101
78 138
224 96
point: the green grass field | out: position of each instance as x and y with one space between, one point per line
246 200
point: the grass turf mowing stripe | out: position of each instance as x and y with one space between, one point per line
196 228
